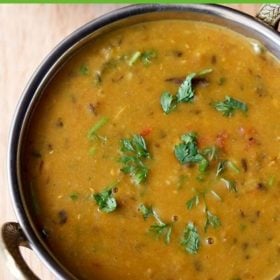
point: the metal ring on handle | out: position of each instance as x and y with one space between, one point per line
12 237
270 14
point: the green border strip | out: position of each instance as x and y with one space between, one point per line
134 2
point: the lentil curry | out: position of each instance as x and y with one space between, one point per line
157 157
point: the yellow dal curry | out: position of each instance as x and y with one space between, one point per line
154 154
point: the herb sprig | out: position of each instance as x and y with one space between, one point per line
105 200
185 93
146 211
93 132
191 239
145 57
135 151
187 152
229 106
210 219
159 228
229 184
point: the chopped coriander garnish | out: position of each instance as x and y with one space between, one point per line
105 200
203 73
136 144
134 152
271 181
92 133
159 228
134 58
203 165
187 151
211 220
233 166
193 202
191 239
145 57
221 167
184 94
223 164
164 230
74 196
134 167
216 195
200 177
229 105
221 81
211 153
167 101
84 70
230 185
146 211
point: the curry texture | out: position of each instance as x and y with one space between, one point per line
110 91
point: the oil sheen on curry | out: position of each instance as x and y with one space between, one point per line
157 157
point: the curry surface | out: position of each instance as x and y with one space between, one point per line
106 79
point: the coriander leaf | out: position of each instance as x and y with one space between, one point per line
210 153
233 166
134 152
191 239
203 164
230 185
140 146
126 145
146 211
135 56
187 152
92 133
229 105
147 56
193 202
221 167
189 138
211 220
160 229
138 172
168 102
136 145
164 230
84 70
185 92
105 200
